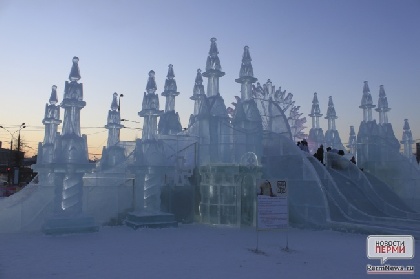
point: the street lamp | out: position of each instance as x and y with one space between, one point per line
119 102
22 126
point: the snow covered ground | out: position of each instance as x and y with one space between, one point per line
190 251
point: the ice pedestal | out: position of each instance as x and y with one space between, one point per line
147 195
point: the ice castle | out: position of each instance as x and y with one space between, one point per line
208 172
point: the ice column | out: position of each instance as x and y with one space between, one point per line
382 106
407 140
366 103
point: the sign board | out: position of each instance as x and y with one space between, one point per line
272 205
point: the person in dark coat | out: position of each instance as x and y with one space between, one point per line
320 154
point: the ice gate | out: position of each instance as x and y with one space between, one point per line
208 172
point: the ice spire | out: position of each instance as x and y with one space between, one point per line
73 101
366 103
382 106
51 120
199 96
169 122
352 145
331 114
213 70
113 123
246 76
151 83
53 98
75 71
315 112
170 90
150 109
407 140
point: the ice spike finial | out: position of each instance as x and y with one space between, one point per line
114 104
315 111
75 71
213 47
198 86
366 89
53 99
199 78
213 61
331 110
383 100
246 66
151 83
170 74
170 83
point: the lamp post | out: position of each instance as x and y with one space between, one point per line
17 162
119 102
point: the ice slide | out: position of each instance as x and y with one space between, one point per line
351 208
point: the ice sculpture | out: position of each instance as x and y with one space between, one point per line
211 168
297 123
407 141
272 108
316 134
332 137
69 165
169 123
113 154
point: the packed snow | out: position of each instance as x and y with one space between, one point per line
189 251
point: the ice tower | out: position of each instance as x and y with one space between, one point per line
407 141
169 123
113 154
51 122
316 135
149 167
69 165
246 119
219 130
352 144
332 137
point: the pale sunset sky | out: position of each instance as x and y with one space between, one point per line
304 46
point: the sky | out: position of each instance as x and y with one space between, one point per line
329 47
191 251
